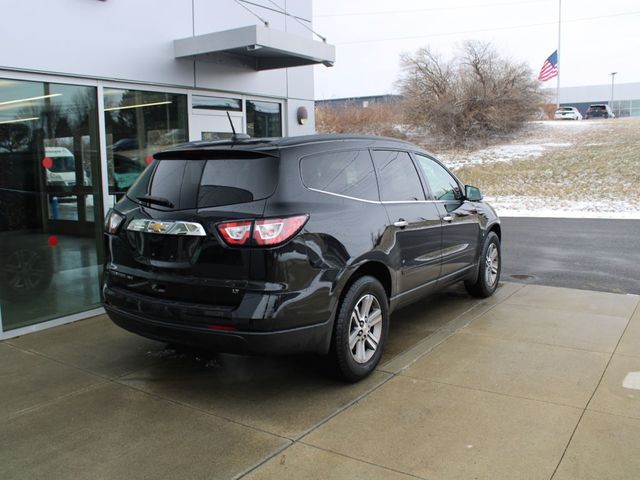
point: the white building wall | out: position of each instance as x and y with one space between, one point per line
599 93
132 40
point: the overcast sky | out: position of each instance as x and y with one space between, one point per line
369 36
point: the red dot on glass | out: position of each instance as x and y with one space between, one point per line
149 159
47 162
52 240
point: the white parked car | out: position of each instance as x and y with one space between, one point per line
567 113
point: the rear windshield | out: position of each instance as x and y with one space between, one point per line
188 184
598 107
225 182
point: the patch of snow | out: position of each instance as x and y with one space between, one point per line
512 206
568 123
503 153
557 144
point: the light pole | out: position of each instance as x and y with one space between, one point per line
613 76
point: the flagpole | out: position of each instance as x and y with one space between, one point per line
558 56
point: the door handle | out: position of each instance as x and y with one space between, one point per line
401 223
447 218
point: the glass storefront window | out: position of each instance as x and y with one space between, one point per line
50 245
139 124
216 103
264 119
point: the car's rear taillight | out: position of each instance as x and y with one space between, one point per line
112 222
273 231
236 233
267 232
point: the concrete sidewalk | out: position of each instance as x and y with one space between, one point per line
526 384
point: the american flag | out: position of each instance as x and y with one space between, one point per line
549 67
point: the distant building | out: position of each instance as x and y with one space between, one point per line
626 97
362 102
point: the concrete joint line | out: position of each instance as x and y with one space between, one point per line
424 347
586 407
412 356
53 401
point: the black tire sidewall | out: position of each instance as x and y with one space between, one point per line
348 367
487 290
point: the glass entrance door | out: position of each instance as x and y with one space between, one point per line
50 243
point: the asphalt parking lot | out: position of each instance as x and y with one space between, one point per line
591 254
527 384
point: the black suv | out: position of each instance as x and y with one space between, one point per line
599 110
291 245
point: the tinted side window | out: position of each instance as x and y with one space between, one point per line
442 184
397 175
141 185
344 173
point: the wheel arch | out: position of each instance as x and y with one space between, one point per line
375 269
497 228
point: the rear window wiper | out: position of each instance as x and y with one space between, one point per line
155 200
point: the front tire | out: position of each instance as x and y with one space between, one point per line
488 270
360 329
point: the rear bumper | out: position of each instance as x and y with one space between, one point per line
283 342
176 325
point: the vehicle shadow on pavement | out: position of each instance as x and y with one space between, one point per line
283 395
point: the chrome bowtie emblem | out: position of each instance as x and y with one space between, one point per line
157 227
167 228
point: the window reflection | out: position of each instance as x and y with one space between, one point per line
139 124
216 103
49 254
264 119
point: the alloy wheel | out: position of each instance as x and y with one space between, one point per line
365 328
492 262
24 270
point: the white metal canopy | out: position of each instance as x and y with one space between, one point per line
258 47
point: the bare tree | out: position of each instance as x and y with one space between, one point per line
376 119
13 136
475 95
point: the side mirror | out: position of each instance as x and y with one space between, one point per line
473 194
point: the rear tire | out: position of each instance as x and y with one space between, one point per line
490 266
360 329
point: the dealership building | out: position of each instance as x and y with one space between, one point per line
91 89
624 98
